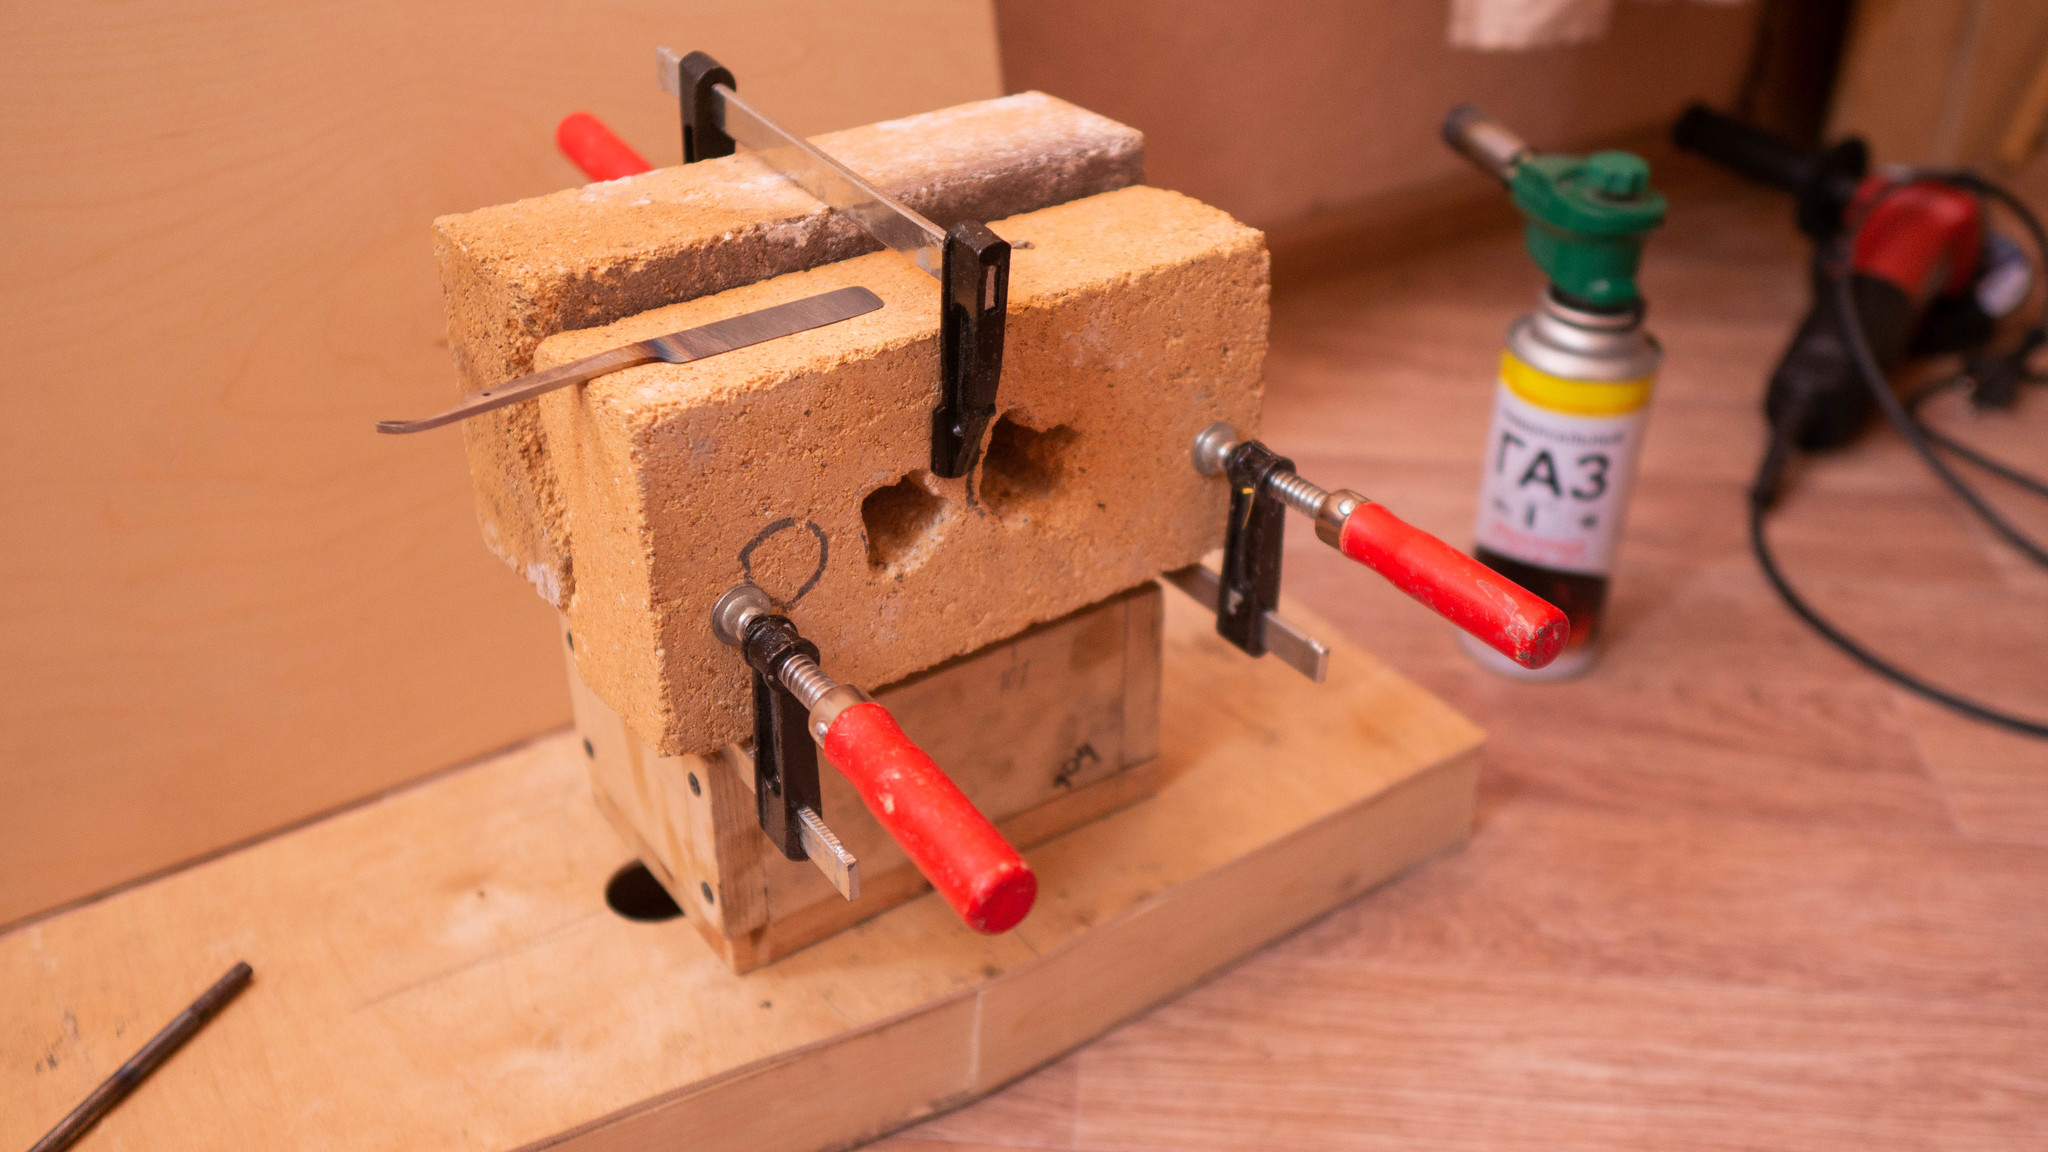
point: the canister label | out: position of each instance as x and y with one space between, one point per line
1560 460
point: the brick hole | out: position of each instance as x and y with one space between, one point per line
1024 466
902 522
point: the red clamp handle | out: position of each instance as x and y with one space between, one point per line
1509 618
596 149
985 880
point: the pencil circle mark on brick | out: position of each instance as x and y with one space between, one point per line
774 579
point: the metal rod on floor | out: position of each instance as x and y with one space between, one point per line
140 1065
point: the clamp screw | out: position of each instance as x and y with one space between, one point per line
737 609
1213 447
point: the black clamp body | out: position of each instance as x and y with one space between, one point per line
704 135
785 759
974 301
1250 583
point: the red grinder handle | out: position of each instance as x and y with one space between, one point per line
947 837
596 149
1507 617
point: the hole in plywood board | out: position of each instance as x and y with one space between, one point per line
635 894
902 522
1024 466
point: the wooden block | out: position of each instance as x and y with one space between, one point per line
1044 731
515 274
1136 318
437 969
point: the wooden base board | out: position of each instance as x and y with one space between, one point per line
438 969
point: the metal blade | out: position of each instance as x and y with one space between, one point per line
766 324
1294 648
676 348
526 387
884 217
841 188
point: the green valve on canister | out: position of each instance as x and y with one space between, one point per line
1587 216
1572 398
1587 219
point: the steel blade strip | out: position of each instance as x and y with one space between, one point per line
748 328
882 215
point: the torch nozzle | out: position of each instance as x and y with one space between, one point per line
1488 143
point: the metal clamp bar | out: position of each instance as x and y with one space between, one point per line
1284 639
822 845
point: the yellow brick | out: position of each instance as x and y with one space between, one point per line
515 274
1137 317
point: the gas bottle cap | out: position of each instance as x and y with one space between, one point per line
1618 175
1587 217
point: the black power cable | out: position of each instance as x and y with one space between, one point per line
1864 656
1962 451
1902 418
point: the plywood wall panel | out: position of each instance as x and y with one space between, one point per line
228 605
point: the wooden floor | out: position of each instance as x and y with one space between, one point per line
1728 891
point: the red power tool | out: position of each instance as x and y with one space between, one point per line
1904 264
1925 273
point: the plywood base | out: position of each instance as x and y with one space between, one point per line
439 970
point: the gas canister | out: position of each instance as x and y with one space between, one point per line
1573 392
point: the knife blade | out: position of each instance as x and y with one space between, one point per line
682 347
